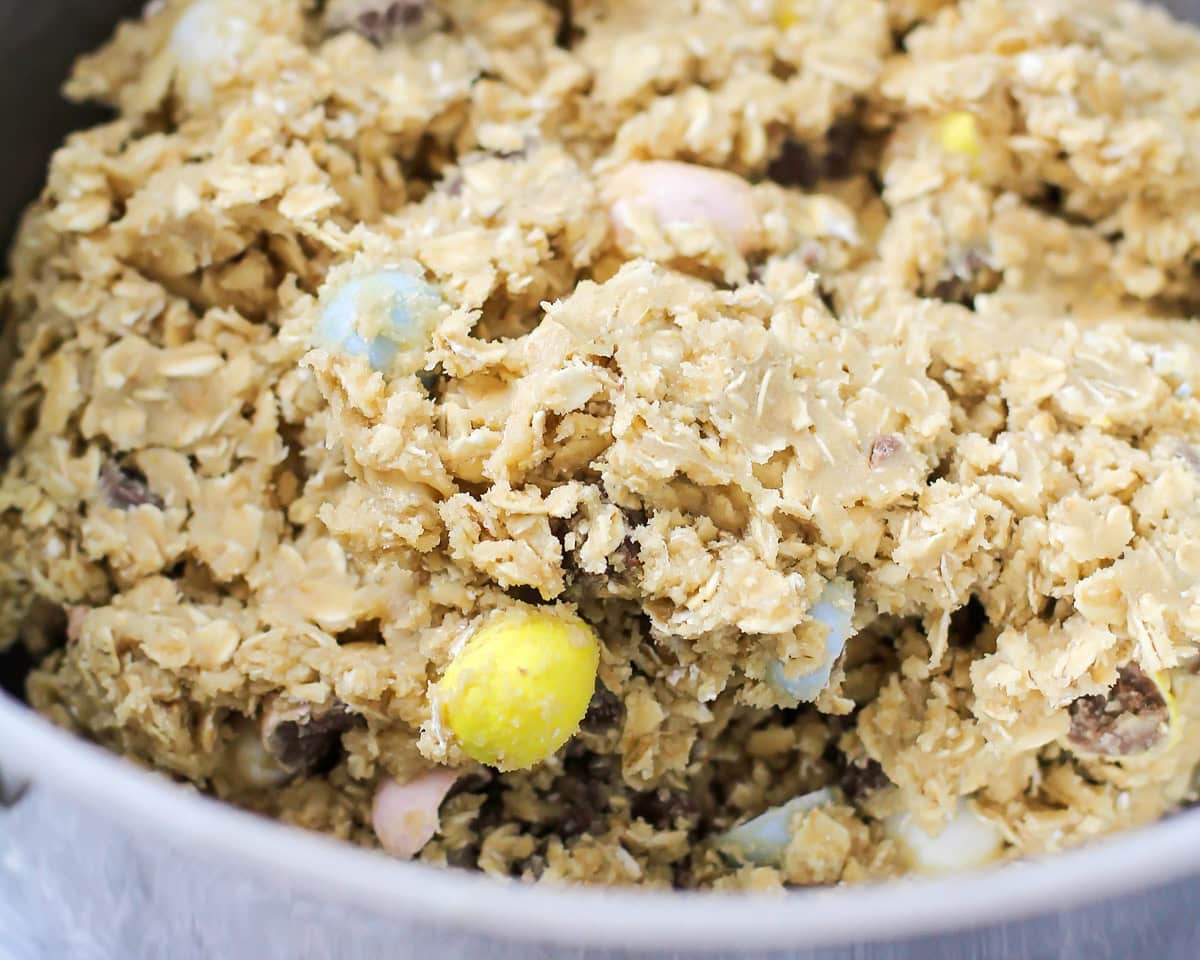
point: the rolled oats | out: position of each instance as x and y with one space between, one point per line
820 347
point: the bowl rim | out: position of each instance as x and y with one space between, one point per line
32 747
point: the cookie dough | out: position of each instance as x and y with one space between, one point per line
826 370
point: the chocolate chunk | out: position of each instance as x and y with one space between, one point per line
799 165
431 380
564 36
581 804
605 711
967 276
479 780
576 820
633 517
795 166
884 447
840 144
382 21
126 489
629 556
581 794
952 290
861 778
302 737
663 808
1132 718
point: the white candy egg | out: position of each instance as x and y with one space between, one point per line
209 35
835 609
968 841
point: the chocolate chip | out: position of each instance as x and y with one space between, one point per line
605 711
407 14
564 36
795 166
477 781
303 737
126 489
633 517
577 819
664 809
382 21
602 767
581 803
801 165
953 290
883 448
967 276
432 380
1130 719
840 144
861 778
628 556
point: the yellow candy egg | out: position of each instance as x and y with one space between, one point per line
958 132
519 687
786 13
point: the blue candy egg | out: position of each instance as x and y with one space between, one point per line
835 609
763 839
377 315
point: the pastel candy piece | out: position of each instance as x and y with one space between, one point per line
763 840
377 315
835 609
684 193
958 132
209 35
519 687
405 815
966 842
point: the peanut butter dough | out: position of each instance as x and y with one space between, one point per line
865 440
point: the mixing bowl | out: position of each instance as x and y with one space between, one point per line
99 859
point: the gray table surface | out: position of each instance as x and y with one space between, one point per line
72 891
